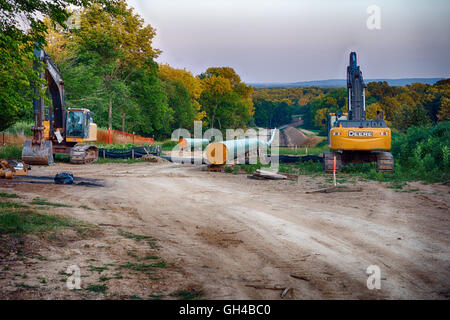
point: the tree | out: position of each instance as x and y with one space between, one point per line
444 111
191 83
226 101
180 101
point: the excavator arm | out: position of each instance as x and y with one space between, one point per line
356 90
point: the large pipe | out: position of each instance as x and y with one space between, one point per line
219 153
188 142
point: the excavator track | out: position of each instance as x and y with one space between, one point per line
385 162
83 154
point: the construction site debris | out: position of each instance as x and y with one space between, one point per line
64 178
11 168
285 292
336 189
152 158
269 175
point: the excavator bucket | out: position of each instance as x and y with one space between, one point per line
38 154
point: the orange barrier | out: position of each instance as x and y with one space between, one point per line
119 137
10 139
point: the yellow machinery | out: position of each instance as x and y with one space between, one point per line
62 131
11 168
351 137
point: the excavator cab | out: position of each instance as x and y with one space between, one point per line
79 126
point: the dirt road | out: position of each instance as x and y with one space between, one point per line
230 237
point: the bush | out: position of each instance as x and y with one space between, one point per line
11 152
423 152
169 145
20 128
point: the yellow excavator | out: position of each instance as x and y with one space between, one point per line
63 131
351 137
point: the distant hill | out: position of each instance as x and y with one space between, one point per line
336 83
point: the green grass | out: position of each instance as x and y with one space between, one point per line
9 195
18 219
97 269
43 202
187 294
97 288
11 205
104 278
302 151
168 145
133 236
26 286
125 161
144 266
11 152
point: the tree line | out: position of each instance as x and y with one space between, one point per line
402 107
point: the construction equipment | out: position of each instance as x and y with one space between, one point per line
62 131
351 137
11 168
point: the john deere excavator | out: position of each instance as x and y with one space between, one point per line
63 130
351 137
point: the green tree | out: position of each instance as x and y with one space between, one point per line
226 101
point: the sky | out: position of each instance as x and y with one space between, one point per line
302 40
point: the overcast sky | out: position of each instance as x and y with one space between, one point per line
300 40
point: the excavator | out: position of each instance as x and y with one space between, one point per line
63 131
351 137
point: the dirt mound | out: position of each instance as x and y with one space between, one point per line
152 158
292 137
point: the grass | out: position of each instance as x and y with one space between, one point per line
318 150
136 237
11 205
144 266
97 288
26 286
125 161
18 219
187 294
43 202
11 152
97 269
9 195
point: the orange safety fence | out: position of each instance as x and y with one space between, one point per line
119 137
10 139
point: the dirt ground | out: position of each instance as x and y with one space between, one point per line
224 236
